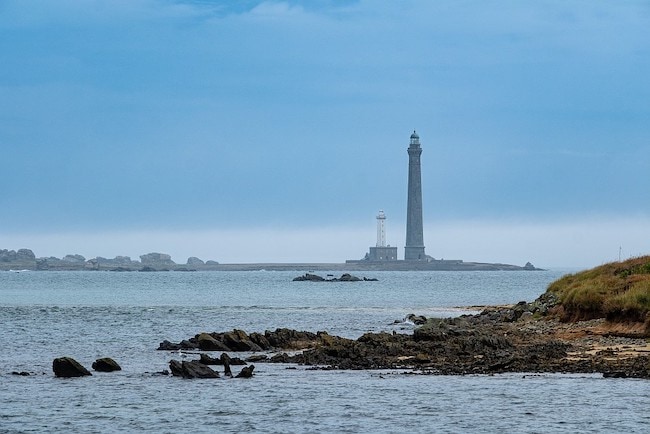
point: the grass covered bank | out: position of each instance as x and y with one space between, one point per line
618 292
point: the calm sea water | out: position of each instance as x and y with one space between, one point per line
87 315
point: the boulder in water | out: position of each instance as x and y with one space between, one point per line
191 369
66 367
106 364
246 372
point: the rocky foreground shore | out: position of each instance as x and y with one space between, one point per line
520 338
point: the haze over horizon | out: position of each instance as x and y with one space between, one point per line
274 131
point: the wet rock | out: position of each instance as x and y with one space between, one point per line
309 278
349 278
208 360
106 364
21 373
416 319
225 361
191 369
260 340
168 346
292 339
207 342
238 340
615 374
257 358
67 367
246 372
280 358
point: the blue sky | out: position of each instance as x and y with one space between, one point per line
275 130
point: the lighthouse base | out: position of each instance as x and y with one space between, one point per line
382 254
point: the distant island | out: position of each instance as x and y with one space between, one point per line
25 259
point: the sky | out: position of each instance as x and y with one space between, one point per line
275 131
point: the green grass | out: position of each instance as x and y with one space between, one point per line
618 291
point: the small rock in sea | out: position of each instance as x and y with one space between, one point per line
106 364
21 373
246 372
66 367
615 374
192 369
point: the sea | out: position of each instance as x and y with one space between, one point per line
87 315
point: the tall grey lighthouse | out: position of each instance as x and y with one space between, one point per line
414 248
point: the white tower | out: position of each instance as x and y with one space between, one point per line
381 229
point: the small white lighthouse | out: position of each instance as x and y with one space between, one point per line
381 229
382 251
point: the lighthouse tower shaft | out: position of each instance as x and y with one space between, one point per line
414 248
381 229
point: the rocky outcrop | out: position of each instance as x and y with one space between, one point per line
157 261
518 338
75 259
67 367
308 277
23 258
246 372
106 364
345 277
191 369
238 340
194 261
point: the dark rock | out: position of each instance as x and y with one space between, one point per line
168 346
257 358
238 340
189 344
191 369
260 340
207 360
68 367
309 277
246 372
280 358
207 342
225 361
615 374
346 277
106 364
292 339
416 319
21 373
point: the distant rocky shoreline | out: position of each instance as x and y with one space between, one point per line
25 259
